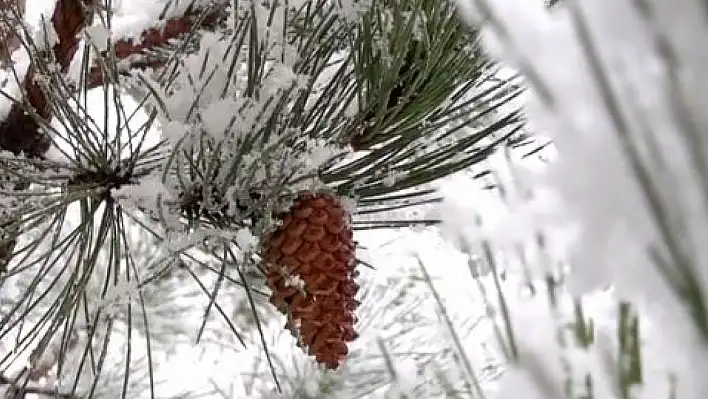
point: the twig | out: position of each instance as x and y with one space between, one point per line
155 38
20 131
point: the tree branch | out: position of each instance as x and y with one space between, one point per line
154 38
20 132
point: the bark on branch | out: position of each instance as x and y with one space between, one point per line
19 132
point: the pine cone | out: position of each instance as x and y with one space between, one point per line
310 269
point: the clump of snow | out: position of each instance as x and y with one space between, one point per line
245 240
142 194
243 125
216 117
350 10
133 17
174 131
99 36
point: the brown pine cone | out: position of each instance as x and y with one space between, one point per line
310 262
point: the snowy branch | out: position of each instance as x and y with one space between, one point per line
20 132
153 38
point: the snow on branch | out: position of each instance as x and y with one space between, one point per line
20 131
152 38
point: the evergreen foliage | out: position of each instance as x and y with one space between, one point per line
111 224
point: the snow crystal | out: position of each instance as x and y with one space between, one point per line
245 240
144 193
295 281
117 295
349 204
216 117
98 35
390 179
318 152
180 104
281 76
350 10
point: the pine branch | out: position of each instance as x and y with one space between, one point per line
154 38
19 132
265 149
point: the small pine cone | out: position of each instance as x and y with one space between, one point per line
310 269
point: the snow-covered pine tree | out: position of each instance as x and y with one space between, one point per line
166 163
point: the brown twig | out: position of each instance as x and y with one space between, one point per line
155 38
19 132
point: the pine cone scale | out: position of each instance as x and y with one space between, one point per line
314 233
